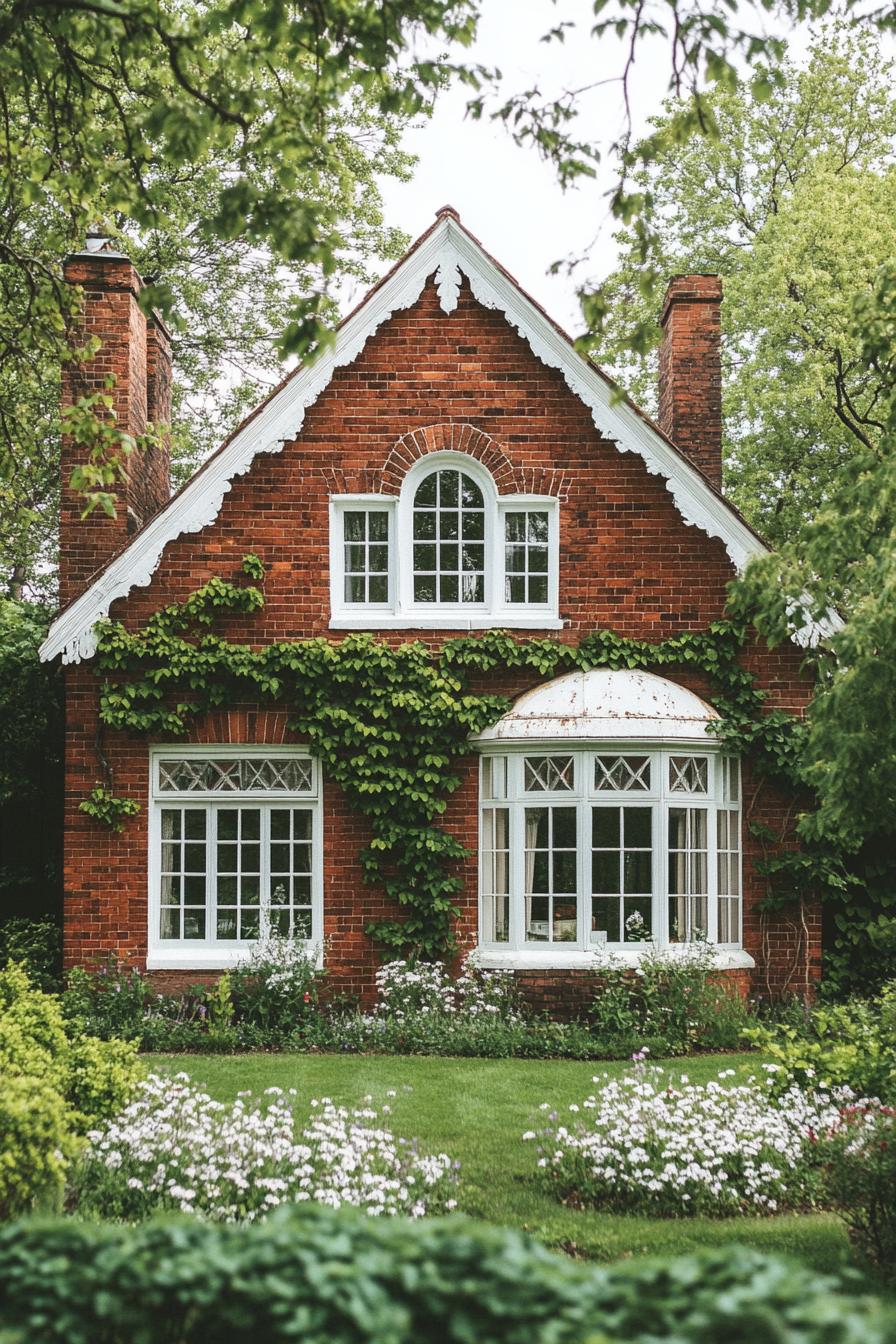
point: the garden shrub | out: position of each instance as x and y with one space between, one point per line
175 1148
107 1002
334 1277
646 1144
849 1044
860 1173
275 989
53 1088
36 944
37 1141
674 997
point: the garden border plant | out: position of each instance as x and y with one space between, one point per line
389 722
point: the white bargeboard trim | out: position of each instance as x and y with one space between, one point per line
447 253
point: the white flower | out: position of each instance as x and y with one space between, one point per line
176 1143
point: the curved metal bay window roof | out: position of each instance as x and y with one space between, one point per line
602 704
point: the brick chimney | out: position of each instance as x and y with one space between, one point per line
691 370
137 352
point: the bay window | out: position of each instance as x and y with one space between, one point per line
234 852
602 848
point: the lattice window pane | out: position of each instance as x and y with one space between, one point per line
550 869
688 874
618 774
688 774
495 875
549 774
290 871
291 774
621 874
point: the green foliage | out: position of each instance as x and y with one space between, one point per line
860 1169
790 199
36 944
102 804
852 1044
56 1084
100 1077
30 703
341 1278
275 989
236 153
673 1004
31 791
389 724
107 1002
37 1140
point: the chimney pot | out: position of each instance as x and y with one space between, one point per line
690 380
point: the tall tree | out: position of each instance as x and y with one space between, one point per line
246 224
793 202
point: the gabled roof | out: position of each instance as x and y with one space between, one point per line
448 252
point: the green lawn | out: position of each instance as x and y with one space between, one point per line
477 1109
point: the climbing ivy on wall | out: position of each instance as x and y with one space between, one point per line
389 723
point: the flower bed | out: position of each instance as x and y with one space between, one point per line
644 1144
174 1147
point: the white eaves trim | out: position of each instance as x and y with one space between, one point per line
449 253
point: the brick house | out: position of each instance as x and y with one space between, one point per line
451 464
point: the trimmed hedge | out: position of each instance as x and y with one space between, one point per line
322 1277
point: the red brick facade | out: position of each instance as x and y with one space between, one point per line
426 380
691 371
136 354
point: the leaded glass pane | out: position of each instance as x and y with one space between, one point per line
688 774
289 774
549 774
622 773
525 557
365 554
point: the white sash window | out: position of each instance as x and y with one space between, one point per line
234 852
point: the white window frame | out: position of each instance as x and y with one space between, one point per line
208 953
402 612
520 954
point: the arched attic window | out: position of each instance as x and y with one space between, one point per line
449 552
610 818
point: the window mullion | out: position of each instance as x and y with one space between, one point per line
583 847
264 879
211 875
712 870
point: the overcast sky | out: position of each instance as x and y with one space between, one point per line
506 195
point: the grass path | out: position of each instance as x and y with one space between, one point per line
477 1109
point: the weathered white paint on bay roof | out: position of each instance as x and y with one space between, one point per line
605 705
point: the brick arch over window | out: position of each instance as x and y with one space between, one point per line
246 726
451 436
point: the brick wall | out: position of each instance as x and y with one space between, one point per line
690 373
628 562
111 313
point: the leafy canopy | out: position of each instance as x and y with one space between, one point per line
238 149
793 202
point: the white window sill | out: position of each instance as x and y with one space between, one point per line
206 958
411 621
494 959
